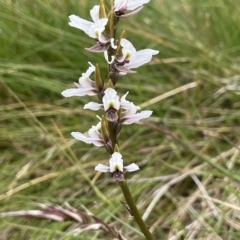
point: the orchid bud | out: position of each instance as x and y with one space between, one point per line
104 129
98 79
110 84
119 47
109 29
102 10
116 148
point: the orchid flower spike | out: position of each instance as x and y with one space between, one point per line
120 6
131 58
116 167
93 29
85 87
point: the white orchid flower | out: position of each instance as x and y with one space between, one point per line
93 29
111 104
116 166
131 58
85 87
93 136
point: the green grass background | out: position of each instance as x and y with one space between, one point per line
187 151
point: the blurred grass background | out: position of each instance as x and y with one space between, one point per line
188 151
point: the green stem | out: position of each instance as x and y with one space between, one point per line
134 210
112 135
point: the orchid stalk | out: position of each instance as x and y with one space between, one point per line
121 57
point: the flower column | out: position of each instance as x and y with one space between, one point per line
121 57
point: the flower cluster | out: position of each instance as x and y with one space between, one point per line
122 57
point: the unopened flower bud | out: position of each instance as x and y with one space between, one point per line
102 10
118 129
109 29
110 84
119 47
98 79
104 129
116 148
108 147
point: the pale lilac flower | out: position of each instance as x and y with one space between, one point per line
111 104
93 136
116 166
131 58
131 116
120 6
93 29
85 87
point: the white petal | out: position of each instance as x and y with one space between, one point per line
96 141
112 44
93 131
126 104
85 87
110 92
97 28
78 92
94 12
103 38
106 57
116 162
132 167
128 45
84 80
80 136
79 23
128 50
110 99
132 13
119 4
129 118
141 57
123 98
102 168
93 106
133 4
